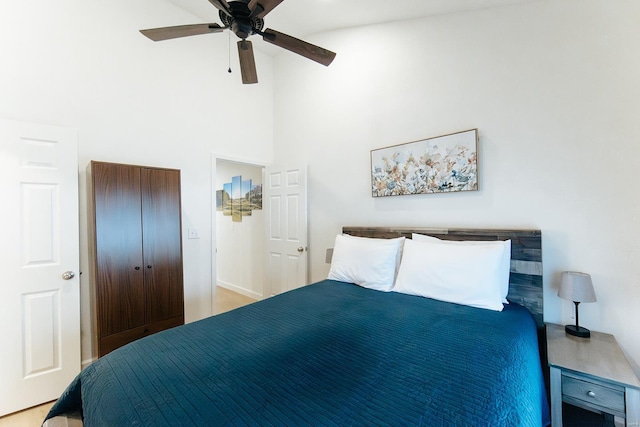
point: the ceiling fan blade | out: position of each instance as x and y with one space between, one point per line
222 5
308 50
247 62
166 33
265 6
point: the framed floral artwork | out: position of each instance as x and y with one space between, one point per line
441 164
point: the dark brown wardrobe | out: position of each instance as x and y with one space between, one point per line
137 251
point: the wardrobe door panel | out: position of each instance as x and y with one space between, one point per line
162 243
118 230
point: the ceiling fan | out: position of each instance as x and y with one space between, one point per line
245 18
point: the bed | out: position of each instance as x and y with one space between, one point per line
336 353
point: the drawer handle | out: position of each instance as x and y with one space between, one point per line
591 394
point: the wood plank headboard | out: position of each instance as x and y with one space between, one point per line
525 280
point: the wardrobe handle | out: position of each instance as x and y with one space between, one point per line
148 266
137 267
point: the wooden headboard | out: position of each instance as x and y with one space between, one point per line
525 280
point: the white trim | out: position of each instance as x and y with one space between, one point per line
239 290
87 362
216 156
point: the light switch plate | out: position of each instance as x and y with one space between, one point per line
193 233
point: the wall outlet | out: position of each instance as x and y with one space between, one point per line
328 256
193 233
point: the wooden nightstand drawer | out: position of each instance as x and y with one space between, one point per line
592 394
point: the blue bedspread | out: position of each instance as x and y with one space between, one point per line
328 354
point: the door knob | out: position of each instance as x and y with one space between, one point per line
300 249
68 275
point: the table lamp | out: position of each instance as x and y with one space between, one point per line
576 287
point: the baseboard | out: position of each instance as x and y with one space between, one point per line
87 362
240 290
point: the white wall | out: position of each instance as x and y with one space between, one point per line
241 245
552 87
85 65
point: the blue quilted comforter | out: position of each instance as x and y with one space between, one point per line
329 354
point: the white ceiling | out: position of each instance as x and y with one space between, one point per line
299 18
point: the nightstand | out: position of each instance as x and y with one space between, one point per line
591 373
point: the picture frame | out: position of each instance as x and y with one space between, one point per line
441 164
239 198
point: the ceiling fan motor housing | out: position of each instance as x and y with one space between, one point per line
240 21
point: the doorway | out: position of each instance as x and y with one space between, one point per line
238 228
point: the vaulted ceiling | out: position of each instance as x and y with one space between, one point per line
300 18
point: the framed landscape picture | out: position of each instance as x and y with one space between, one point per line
239 198
442 164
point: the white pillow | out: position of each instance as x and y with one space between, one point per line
374 241
505 266
370 263
462 274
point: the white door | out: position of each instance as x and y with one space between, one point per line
286 215
39 308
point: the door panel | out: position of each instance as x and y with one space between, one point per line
41 332
293 219
275 226
39 310
274 270
40 237
118 227
162 242
286 195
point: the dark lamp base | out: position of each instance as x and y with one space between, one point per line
577 331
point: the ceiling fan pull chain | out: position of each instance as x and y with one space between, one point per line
229 70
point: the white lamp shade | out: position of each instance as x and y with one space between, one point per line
576 287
